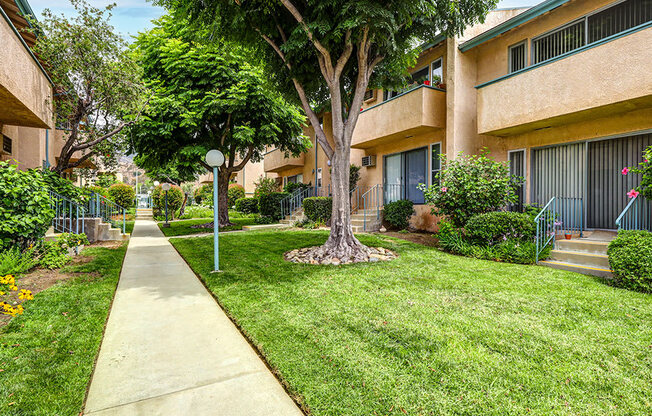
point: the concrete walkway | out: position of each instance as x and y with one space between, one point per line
169 349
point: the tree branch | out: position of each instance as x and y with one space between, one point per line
81 160
250 152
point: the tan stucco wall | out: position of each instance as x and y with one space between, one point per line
249 175
585 85
25 93
28 146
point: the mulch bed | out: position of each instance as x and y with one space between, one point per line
425 239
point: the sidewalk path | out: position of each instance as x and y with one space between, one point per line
169 349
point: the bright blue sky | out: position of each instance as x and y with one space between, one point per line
133 16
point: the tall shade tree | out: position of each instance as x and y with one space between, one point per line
208 96
98 91
329 52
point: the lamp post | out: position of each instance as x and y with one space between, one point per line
215 159
156 184
166 188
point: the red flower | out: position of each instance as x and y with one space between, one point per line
426 82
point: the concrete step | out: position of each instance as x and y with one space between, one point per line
592 271
264 227
361 222
580 258
582 245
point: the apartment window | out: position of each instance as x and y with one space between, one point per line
416 78
617 18
591 28
517 56
435 163
368 95
318 180
558 42
436 72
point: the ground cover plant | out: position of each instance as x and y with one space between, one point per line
47 353
430 333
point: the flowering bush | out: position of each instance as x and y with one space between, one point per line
471 185
7 289
265 186
235 192
175 199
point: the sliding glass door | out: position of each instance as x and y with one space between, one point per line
403 173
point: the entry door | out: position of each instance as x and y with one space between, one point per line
415 173
607 186
393 178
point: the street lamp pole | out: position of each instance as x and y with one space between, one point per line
215 159
166 188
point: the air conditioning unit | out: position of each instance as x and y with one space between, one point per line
368 161
6 145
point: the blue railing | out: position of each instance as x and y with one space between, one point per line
109 211
561 215
637 215
372 200
68 215
293 202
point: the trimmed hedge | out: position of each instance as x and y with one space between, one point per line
398 213
496 227
270 204
247 205
630 258
175 199
318 208
234 193
122 194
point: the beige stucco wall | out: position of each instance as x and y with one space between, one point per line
585 85
249 175
25 92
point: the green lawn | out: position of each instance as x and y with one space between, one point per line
183 227
129 226
431 333
48 353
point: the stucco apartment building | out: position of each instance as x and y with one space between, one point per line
562 90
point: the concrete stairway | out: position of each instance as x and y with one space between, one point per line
583 255
373 223
144 213
96 230
297 215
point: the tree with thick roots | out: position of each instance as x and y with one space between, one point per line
326 54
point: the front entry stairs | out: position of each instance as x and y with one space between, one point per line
583 255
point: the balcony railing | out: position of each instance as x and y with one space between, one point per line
419 110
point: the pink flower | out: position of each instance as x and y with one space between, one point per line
625 171
645 160
444 189
633 193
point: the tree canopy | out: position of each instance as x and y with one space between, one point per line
208 95
97 85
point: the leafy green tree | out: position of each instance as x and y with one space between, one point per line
327 53
98 90
208 96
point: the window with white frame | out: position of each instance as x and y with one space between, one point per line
517 56
435 163
436 72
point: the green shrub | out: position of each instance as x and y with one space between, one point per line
122 194
196 211
270 204
53 255
495 227
318 208
293 186
398 213
15 261
471 185
264 219
98 190
24 207
309 224
234 193
630 258
265 186
61 186
175 199
354 177
246 205
204 194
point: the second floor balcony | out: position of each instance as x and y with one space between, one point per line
416 111
276 161
605 78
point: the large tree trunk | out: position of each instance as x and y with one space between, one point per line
341 243
223 196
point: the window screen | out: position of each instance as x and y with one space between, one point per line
435 163
558 42
517 57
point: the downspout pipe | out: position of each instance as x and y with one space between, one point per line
47 148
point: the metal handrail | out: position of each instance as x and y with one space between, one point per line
543 221
371 200
637 215
291 203
65 212
101 207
